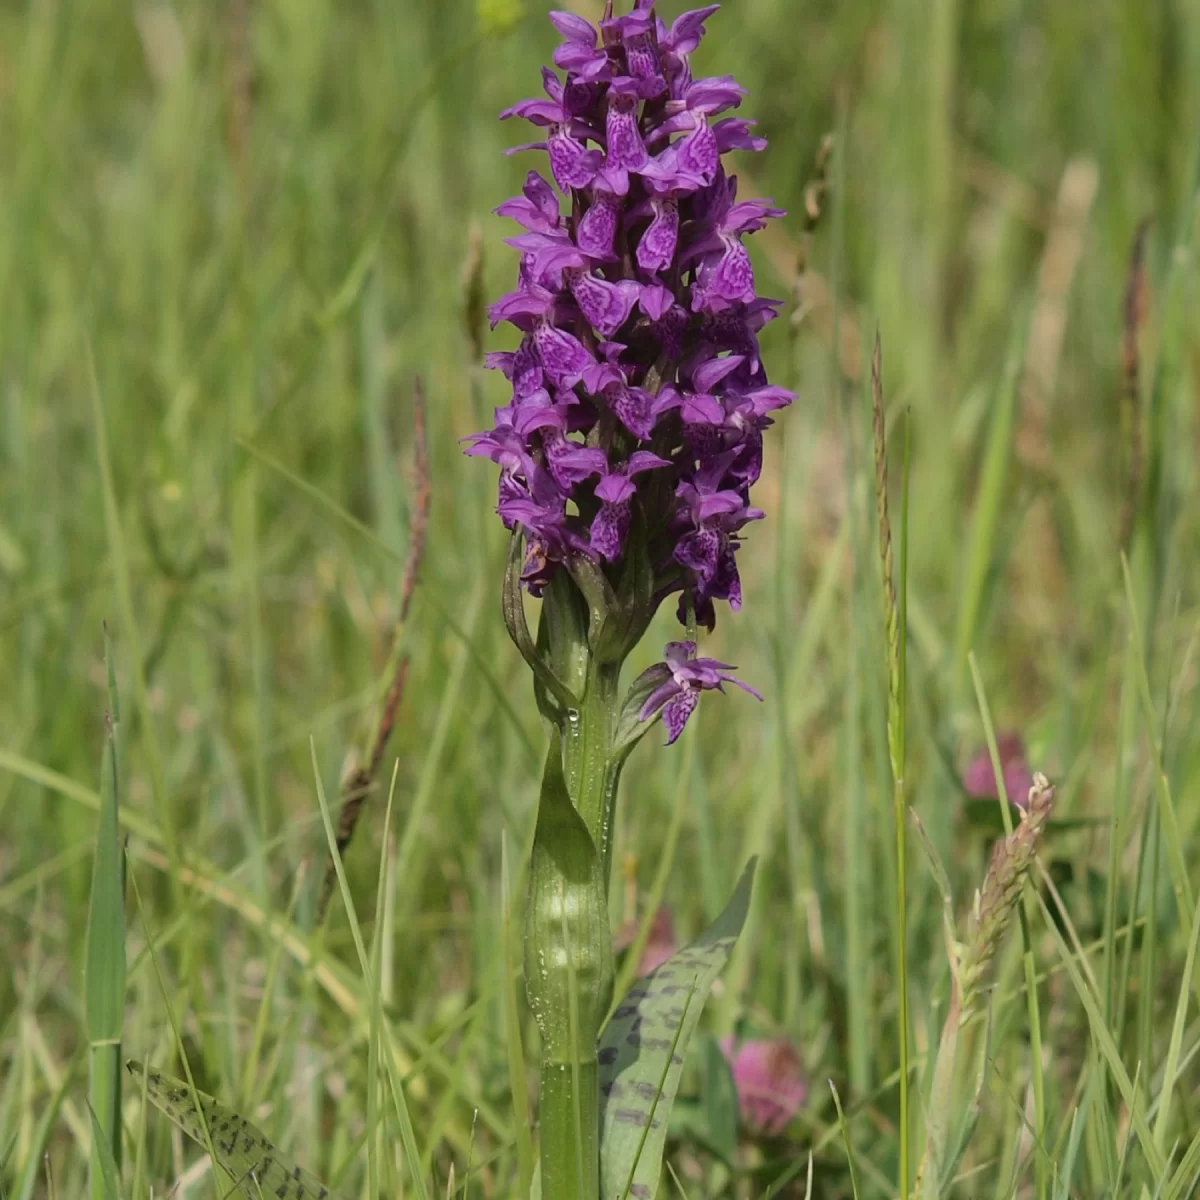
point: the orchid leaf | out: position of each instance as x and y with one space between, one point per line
642 1052
240 1149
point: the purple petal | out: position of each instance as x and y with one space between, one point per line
727 584
766 399
709 374
579 97
676 712
702 409
668 398
614 179
572 165
552 85
606 305
644 460
718 503
744 686
525 146
564 358
714 94
688 28
614 488
697 153
600 376
582 61
527 374
525 302
609 529
539 112
657 246
678 653
658 698
634 408
733 278
571 463
625 148
598 226
528 214
642 58
573 27
750 215
540 194
655 300
733 133
698 551
537 412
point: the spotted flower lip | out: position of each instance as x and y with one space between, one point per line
639 396
684 677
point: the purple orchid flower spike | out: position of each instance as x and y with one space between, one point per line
684 677
639 397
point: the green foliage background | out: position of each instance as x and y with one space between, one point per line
237 228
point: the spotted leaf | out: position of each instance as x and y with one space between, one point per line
642 1050
240 1148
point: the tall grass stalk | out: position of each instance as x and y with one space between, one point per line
375 1016
1033 1008
895 622
104 976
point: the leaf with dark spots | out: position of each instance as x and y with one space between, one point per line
254 1165
644 1071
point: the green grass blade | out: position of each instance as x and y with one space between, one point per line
382 889
980 541
1066 1165
851 1158
1171 1067
203 1133
1107 1045
1167 816
1118 814
426 595
104 973
27 1181
1187 1174
518 1076
407 1136
110 1175
119 556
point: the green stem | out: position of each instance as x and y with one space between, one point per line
902 972
587 757
571 1009
570 1130
900 738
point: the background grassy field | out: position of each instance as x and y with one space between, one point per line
231 232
